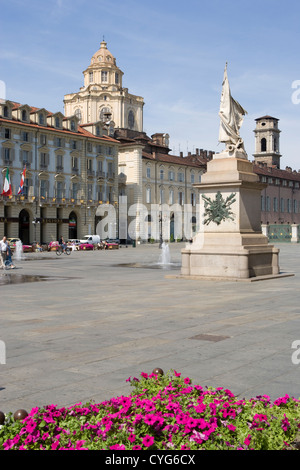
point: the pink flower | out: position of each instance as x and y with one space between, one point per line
143 374
131 437
187 380
177 374
148 440
231 427
247 440
149 419
8 444
136 448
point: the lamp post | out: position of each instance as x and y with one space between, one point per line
160 230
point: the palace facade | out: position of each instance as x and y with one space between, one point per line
69 171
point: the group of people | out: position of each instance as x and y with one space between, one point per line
5 255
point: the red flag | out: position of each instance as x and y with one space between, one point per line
20 191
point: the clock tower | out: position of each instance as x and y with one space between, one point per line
103 97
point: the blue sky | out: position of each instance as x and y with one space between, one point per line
172 53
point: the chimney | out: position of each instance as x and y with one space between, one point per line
181 154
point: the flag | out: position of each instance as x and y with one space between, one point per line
20 191
7 185
231 114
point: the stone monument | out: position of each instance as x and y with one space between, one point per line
230 243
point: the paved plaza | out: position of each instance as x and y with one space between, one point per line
76 327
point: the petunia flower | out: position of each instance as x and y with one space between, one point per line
148 440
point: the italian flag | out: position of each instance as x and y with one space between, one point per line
7 191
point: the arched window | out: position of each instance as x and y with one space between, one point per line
263 145
131 119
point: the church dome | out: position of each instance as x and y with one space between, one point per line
103 56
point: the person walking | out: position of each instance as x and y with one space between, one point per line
3 252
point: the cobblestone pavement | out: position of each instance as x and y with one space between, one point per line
76 327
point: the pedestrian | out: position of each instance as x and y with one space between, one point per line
3 251
8 261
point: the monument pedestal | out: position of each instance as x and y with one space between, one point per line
230 243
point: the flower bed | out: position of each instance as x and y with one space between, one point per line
164 412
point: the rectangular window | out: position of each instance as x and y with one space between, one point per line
6 155
91 77
193 199
90 191
181 177
180 198
43 139
43 188
103 76
268 207
59 189
282 205
262 203
148 195
43 160
74 163
25 136
161 196
59 162
7 133
295 206
26 187
275 204
74 190
116 78
171 175
99 193
171 196
148 172
25 156
192 178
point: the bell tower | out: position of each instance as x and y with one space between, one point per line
267 141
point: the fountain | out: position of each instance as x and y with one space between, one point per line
18 251
164 258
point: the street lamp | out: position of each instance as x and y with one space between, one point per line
160 230
35 221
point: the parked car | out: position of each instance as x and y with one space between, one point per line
86 246
93 239
113 240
